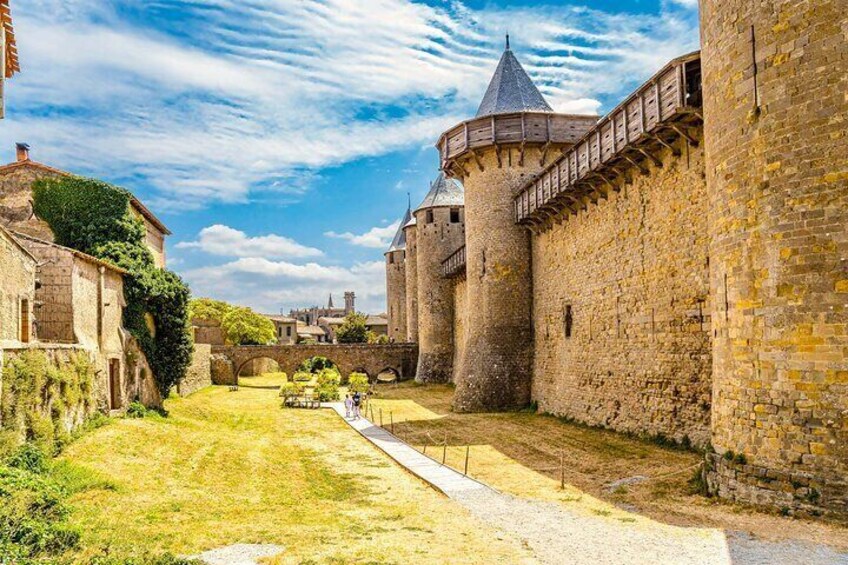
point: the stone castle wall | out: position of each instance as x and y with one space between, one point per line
436 241
411 284
16 201
55 312
199 373
775 83
17 282
396 294
628 279
460 319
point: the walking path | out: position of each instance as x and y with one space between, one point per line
557 534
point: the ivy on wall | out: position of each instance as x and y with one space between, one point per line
95 217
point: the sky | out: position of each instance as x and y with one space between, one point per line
279 140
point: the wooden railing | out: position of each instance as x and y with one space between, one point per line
511 129
454 265
649 119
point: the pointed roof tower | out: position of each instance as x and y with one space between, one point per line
443 192
399 241
511 89
330 302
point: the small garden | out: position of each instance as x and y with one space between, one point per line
319 380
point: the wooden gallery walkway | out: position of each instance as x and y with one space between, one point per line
443 478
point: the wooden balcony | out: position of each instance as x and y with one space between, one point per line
662 110
454 265
520 129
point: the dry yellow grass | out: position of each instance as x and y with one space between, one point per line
228 467
520 453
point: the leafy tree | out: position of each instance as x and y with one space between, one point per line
208 309
358 382
377 339
243 326
353 329
95 217
316 364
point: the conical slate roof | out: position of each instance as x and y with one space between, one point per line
399 241
443 192
511 90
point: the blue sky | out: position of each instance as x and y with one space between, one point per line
278 138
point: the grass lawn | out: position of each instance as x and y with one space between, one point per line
227 467
521 453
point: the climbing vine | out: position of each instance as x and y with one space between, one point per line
95 217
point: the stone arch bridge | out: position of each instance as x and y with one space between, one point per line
402 358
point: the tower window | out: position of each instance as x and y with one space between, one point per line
391 258
568 320
454 215
429 218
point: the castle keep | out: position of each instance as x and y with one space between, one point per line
677 268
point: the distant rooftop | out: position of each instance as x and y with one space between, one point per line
443 192
511 90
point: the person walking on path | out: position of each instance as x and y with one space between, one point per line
357 400
348 405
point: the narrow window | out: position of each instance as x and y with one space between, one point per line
568 320
430 218
25 323
391 258
454 215
288 331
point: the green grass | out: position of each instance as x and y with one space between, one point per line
227 467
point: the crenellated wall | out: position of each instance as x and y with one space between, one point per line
628 280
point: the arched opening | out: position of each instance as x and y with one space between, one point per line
388 375
260 372
364 371
319 378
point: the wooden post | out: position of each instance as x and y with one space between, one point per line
467 450
425 447
381 417
445 449
392 422
562 469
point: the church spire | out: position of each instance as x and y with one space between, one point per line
330 302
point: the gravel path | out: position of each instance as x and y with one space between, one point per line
239 554
558 534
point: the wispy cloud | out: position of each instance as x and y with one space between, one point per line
375 238
228 242
218 100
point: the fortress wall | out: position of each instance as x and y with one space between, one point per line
634 270
460 318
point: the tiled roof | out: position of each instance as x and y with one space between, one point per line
443 192
511 90
12 64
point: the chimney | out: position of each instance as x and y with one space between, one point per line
22 150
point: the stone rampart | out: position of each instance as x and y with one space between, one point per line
199 373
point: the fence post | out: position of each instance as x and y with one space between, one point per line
467 450
445 449
425 447
381 417
562 469
392 422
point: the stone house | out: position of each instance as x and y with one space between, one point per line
79 300
311 333
285 329
17 291
16 211
8 51
377 324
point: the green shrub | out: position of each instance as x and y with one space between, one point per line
358 382
302 377
740 459
95 217
316 364
136 410
328 385
28 457
377 339
291 389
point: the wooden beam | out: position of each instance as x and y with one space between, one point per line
651 157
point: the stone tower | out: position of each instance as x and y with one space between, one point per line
350 302
514 135
440 230
396 282
775 78
411 234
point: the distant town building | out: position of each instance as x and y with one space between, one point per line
16 211
309 316
285 328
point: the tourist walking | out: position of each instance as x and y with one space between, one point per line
357 400
348 405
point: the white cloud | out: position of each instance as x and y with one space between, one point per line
271 285
375 238
267 89
228 242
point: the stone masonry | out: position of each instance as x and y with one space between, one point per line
775 107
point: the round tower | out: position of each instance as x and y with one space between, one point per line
514 135
440 230
775 76
411 234
396 282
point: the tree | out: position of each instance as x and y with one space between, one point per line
378 339
353 329
243 326
208 309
